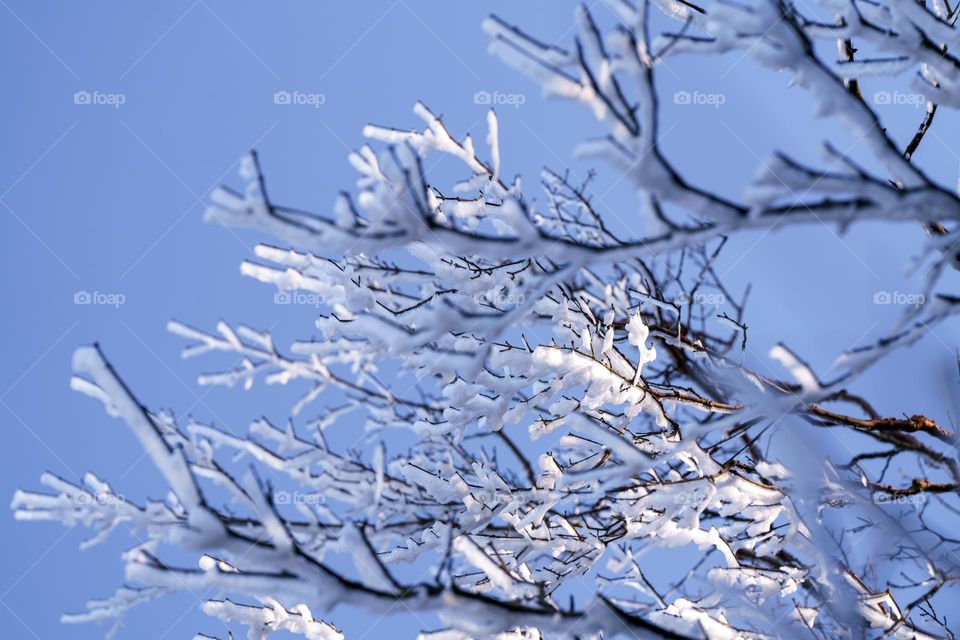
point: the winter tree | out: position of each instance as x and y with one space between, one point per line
572 404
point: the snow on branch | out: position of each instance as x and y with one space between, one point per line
575 398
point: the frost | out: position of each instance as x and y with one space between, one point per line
538 403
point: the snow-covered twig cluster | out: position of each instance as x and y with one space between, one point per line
578 398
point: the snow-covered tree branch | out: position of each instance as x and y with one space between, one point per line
574 401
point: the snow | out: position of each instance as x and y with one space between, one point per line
561 405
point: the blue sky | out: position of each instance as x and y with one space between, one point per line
119 118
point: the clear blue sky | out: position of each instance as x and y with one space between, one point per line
108 198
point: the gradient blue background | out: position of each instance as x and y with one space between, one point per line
94 198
